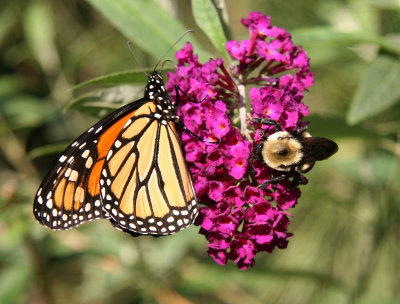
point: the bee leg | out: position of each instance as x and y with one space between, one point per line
301 132
268 121
298 179
273 180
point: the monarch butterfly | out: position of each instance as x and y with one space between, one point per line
128 168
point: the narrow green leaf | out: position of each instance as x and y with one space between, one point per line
145 23
40 32
127 77
102 101
207 18
329 36
378 90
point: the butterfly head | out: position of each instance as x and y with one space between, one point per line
156 92
155 86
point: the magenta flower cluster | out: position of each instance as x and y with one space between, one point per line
238 218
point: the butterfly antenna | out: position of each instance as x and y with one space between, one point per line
169 49
162 66
135 58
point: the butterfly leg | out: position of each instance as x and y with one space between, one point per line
177 89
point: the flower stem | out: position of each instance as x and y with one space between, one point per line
243 111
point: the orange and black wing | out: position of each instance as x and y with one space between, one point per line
70 193
145 185
129 167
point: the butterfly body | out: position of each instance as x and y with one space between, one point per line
128 168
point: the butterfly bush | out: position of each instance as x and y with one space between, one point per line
237 217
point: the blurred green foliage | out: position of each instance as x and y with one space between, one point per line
346 245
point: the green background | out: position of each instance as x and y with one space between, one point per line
345 247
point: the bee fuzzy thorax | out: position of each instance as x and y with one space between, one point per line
281 151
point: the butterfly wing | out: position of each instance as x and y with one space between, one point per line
70 193
129 167
145 185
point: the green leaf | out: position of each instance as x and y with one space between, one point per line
40 32
378 90
101 102
145 23
128 77
330 36
207 18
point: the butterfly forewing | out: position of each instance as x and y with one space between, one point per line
128 167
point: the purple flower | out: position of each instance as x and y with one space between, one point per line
237 217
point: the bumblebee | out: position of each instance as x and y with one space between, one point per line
295 151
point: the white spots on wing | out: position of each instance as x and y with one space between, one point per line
86 153
98 130
109 154
62 158
127 123
67 172
117 144
73 176
89 163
